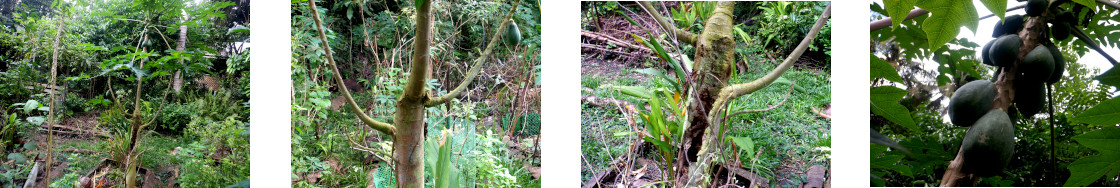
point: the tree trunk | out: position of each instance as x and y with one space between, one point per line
177 80
714 62
408 150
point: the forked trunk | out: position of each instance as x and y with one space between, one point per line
715 57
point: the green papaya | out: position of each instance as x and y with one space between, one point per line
984 54
1005 50
1066 16
989 145
1059 30
1010 25
513 35
971 101
1029 97
1038 65
1036 7
1059 64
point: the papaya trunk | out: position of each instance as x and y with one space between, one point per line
714 61
177 80
408 150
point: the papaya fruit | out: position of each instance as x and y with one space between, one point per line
984 54
1066 16
988 145
1005 50
1036 7
1038 65
1059 64
1059 30
1029 97
513 35
971 101
1010 25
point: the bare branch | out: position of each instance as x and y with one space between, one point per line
380 126
788 93
477 67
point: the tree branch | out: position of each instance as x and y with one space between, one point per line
681 34
886 22
477 67
1092 44
377 125
788 93
738 90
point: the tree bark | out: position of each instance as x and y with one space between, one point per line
50 112
177 80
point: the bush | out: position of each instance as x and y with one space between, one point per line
221 156
175 116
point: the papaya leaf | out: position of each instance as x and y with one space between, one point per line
884 102
881 160
1089 169
898 10
997 7
882 69
946 19
1103 140
1110 77
1105 113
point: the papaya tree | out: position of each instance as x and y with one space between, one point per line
1029 59
690 142
407 128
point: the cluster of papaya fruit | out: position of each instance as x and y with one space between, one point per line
990 141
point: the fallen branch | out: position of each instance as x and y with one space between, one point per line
612 40
631 54
81 151
819 113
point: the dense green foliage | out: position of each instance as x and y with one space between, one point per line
372 43
106 48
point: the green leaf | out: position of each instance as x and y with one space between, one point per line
744 143
30 105
1104 140
898 10
882 69
636 91
1110 77
997 7
1089 169
881 160
443 169
1105 113
947 19
884 102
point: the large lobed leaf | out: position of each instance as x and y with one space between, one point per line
1105 113
946 19
1089 169
882 69
884 102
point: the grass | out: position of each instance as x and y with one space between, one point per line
786 137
